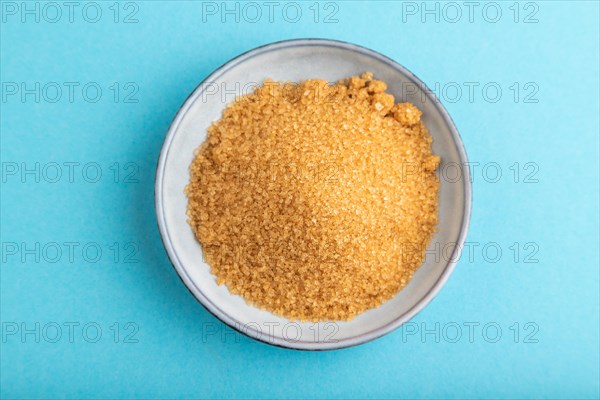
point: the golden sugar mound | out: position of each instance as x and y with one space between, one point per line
315 202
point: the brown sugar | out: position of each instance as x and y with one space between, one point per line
315 201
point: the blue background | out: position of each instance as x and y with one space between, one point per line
183 351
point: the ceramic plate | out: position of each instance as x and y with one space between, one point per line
296 60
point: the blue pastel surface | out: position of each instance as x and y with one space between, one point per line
90 306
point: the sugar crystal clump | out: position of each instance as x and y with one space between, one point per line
315 201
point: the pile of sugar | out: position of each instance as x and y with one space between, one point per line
315 201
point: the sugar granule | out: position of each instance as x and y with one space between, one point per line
315 201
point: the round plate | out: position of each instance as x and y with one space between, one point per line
297 60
